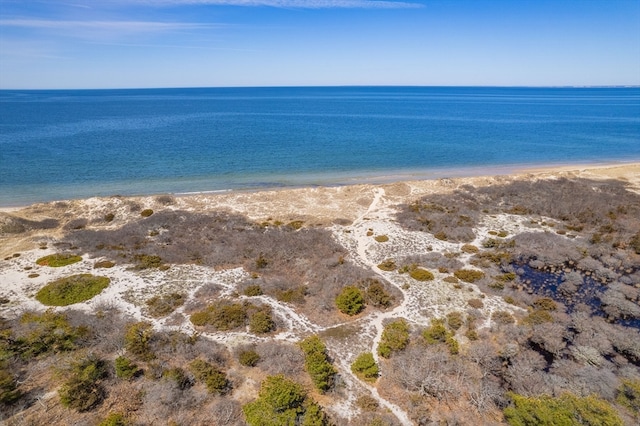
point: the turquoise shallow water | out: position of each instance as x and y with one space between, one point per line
74 144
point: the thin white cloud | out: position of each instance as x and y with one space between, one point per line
102 25
299 4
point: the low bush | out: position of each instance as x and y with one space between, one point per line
537 317
545 304
146 212
59 259
160 306
436 332
468 275
350 301
469 248
365 366
215 380
375 294
69 290
248 358
104 264
114 419
49 332
148 261
137 340
292 295
503 317
261 322
381 238
420 274
253 290
629 395
395 337
475 303
566 409
83 391
9 392
317 363
282 401
388 265
126 369
455 320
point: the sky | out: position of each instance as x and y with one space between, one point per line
70 44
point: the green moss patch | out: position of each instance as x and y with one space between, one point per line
69 290
59 259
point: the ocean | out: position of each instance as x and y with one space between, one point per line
64 144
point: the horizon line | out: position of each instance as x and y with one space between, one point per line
557 86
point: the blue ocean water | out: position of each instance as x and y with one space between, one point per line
79 143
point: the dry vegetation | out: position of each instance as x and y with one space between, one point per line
484 305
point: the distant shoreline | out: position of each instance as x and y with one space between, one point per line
610 169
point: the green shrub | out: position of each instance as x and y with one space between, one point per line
261 322
350 301
545 304
497 285
365 366
468 275
48 332
224 316
455 320
69 290
215 380
248 358
367 403
506 277
376 295
381 238
388 265
253 290
452 345
126 369
296 224
629 395
137 340
634 243
292 295
114 419
567 409
395 337
83 390
104 264
283 402
59 259
160 306
503 317
146 212
420 274
109 217
148 261
178 376
538 317
9 392
436 332
317 363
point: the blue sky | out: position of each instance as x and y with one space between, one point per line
198 43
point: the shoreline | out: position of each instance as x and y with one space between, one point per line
612 169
